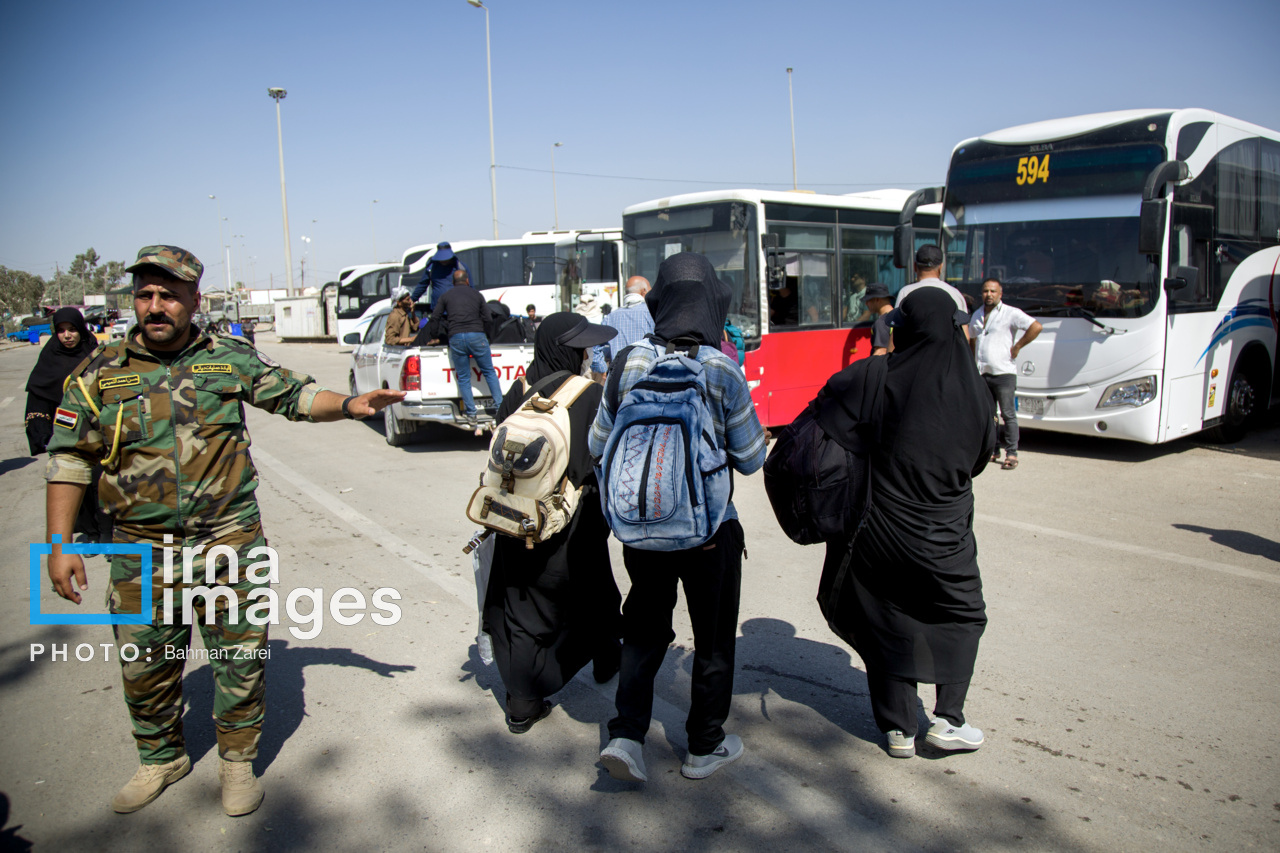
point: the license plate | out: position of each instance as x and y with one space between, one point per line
1029 405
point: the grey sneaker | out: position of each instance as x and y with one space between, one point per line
900 745
945 735
624 759
702 766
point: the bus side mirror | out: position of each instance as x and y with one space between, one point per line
904 241
1151 217
1182 277
775 269
351 339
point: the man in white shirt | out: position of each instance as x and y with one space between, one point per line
997 333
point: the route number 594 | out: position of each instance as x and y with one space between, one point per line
1032 169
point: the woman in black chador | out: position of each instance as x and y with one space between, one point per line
907 594
72 343
553 608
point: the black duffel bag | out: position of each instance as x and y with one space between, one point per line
818 488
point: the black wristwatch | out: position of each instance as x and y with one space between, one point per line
346 408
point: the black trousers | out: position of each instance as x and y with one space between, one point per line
712 578
1002 386
893 701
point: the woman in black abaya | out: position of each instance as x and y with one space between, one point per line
552 609
906 593
72 343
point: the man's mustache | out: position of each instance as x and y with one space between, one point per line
156 319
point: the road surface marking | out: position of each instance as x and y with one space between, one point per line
1112 545
841 826
6 401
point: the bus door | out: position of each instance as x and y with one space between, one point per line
1193 394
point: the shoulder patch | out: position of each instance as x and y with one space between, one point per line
65 418
119 381
212 367
265 359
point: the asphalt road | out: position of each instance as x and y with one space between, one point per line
1127 682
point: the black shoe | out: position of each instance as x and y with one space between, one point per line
520 725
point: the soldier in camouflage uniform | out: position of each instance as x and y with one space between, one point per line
163 412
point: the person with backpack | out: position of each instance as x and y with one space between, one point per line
666 487
553 606
902 586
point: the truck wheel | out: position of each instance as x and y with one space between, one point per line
1240 406
395 429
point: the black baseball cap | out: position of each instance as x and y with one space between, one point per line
876 290
928 257
587 334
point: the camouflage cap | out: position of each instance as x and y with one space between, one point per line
177 262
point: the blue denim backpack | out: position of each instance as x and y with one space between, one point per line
665 484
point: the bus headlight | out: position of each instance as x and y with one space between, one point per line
1133 392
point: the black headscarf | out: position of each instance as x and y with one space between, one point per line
56 361
936 429
549 355
688 300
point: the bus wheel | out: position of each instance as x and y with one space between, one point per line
1240 406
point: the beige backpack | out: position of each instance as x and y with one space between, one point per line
524 490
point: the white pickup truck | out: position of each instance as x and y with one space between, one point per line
425 374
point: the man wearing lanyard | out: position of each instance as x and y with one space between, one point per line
993 329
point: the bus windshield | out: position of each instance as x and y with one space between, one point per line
725 232
1062 241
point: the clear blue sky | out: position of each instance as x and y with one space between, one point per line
122 118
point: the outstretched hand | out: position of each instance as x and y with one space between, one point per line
373 402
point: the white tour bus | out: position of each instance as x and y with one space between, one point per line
517 272
1147 243
362 292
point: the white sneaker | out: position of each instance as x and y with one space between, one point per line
624 759
945 735
900 745
702 766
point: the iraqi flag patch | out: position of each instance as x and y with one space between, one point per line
66 419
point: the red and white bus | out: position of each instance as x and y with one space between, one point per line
797 263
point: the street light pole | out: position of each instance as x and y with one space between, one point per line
221 242
555 201
791 96
277 94
493 160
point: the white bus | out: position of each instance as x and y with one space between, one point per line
798 265
362 292
1147 243
516 272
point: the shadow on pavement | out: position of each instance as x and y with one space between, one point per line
16 463
286 696
1238 540
10 840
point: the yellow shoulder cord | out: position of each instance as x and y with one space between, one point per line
115 440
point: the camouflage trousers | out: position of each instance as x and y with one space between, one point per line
234 649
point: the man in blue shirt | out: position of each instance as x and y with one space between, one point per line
439 274
633 321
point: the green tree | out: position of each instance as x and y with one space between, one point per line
84 267
108 276
20 292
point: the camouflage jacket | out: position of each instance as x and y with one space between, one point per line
178 461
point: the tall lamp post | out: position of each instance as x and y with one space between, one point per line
304 238
277 94
493 161
555 201
373 231
221 242
792 98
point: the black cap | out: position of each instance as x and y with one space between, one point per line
587 334
928 257
876 290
